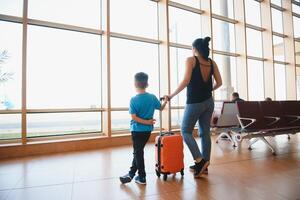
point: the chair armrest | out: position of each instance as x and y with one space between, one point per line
296 118
276 119
247 119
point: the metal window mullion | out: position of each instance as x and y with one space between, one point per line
256 58
9 18
185 7
24 72
257 28
296 14
64 26
134 38
278 7
182 46
226 19
225 53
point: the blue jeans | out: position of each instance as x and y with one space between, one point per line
202 113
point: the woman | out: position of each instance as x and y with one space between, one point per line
199 105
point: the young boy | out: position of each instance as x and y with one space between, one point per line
141 108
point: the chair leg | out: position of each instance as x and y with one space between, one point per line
228 135
238 140
253 141
268 144
289 137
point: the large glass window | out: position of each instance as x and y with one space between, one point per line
51 124
184 26
227 68
223 36
254 42
120 120
223 7
10 126
296 22
64 69
296 8
278 46
177 116
255 80
79 13
178 57
11 7
134 17
297 52
277 24
276 2
280 82
298 82
191 3
251 7
10 65
142 57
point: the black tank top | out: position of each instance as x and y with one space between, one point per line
198 90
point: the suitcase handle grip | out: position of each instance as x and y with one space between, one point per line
168 133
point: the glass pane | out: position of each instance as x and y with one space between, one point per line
252 9
177 116
191 3
254 42
297 52
10 65
280 82
227 68
278 46
125 64
11 7
78 13
296 8
255 80
64 71
178 57
223 36
134 17
296 22
53 124
180 22
10 126
223 7
277 24
298 82
120 120
276 2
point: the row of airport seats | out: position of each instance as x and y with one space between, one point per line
256 120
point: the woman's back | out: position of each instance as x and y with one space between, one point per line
200 86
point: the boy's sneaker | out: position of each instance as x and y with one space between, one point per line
200 167
140 180
193 167
126 178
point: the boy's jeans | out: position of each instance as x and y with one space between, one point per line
202 113
139 140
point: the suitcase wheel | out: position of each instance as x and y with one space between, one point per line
157 173
165 177
182 172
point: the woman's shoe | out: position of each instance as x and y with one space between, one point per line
200 168
192 168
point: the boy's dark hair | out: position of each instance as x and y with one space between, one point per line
141 80
236 95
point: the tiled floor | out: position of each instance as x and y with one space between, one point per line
93 175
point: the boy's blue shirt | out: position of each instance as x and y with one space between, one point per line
143 105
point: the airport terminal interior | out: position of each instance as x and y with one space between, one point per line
67 82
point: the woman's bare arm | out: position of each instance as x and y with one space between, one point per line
217 76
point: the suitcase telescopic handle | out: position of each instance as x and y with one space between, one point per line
160 119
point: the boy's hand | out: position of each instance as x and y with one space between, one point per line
151 121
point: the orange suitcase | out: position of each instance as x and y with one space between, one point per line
169 154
